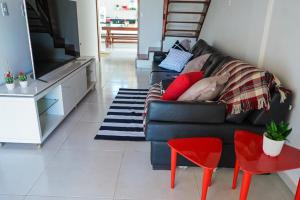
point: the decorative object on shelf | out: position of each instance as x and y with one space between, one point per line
125 7
23 79
9 80
275 137
126 23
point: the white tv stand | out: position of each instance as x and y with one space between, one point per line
31 114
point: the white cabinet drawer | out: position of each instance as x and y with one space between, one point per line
69 94
74 89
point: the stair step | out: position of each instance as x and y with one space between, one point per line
36 23
142 57
183 22
34 18
70 47
154 49
186 36
188 13
60 41
38 30
180 20
182 30
202 2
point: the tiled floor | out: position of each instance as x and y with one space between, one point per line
73 166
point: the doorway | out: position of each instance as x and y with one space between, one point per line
118 25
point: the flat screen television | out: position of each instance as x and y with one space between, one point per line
53 33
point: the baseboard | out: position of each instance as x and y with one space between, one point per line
142 57
288 181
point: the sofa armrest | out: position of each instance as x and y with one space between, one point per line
186 112
159 56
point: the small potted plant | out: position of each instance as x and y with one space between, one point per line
23 79
274 137
9 80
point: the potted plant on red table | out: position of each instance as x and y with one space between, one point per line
9 80
274 137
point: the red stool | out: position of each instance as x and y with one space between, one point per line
251 160
204 152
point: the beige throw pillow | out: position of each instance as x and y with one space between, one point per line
196 64
205 89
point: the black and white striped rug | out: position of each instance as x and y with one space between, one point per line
124 120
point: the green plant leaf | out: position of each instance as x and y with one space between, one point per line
278 132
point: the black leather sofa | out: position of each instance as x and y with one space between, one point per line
171 119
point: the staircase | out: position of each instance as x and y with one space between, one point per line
181 19
40 21
184 18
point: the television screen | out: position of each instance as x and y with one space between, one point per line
53 33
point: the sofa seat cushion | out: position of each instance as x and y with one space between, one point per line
238 118
181 84
156 68
157 77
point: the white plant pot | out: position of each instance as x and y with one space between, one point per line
10 86
24 84
271 147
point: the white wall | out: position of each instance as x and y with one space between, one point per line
262 32
150 22
282 58
236 27
14 41
87 25
88 32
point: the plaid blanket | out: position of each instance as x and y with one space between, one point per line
153 94
248 87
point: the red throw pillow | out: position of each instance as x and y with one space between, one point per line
181 84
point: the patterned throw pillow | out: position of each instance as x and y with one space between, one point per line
176 60
181 84
153 94
196 64
180 46
205 89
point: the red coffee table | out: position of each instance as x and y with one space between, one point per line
204 152
251 160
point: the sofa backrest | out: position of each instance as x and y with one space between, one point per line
215 61
201 47
278 111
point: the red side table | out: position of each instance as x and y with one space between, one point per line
251 160
204 152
